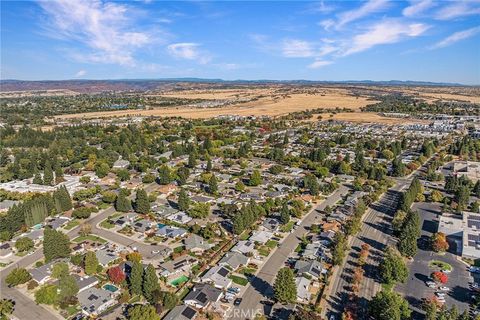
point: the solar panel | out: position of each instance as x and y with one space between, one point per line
92 297
188 313
202 297
223 272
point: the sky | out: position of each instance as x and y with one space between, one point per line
422 40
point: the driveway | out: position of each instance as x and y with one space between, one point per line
458 281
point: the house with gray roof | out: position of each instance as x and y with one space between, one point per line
181 313
171 232
182 264
121 164
142 225
85 282
234 260
196 244
202 295
313 268
303 293
106 255
94 301
218 276
244 246
271 224
58 222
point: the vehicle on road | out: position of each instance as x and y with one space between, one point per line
447 271
444 289
155 251
440 294
237 301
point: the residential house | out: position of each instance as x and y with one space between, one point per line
182 312
121 164
196 244
182 264
313 251
180 217
303 293
142 225
271 224
234 260
202 295
261 236
244 246
58 222
85 282
312 268
171 232
5 251
218 276
94 301
106 255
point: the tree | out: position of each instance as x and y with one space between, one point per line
142 312
24 244
339 248
409 235
91 263
393 268
37 179
123 204
85 229
68 287
284 214
212 185
6 308
164 175
17 276
55 244
255 178
209 166
109 197
142 205
439 242
199 210
436 196
135 278
285 289
123 175
116 275
192 160
47 294
311 184
240 186
58 174
169 299
150 283
82 213
134 257
440 277
101 169
183 200
182 173
389 305
60 270
48 174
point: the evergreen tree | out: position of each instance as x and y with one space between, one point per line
285 289
142 205
91 263
58 174
393 268
68 287
212 185
209 165
409 235
339 248
192 160
55 244
389 305
150 283
48 174
122 203
284 214
37 179
182 173
164 175
183 201
255 178
135 279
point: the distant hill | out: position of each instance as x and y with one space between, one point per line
91 86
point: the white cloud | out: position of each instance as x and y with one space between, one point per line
319 63
385 32
327 24
369 7
320 7
416 7
104 27
293 48
80 73
457 10
457 36
188 51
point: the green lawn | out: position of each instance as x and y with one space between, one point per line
245 235
90 237
71 224
178 249
287 227
264 251
239 280
271 244
246 270
440 264
106 224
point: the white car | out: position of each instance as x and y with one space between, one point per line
444 289
155 251
440 294
446 271
431 284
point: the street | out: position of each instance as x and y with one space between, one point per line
261 285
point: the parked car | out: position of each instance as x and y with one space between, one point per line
474 269
431 284
440 294
446 271
233 289
237 301
155 251
444 289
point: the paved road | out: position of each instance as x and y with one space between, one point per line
26 308
261 285
415 289
375 232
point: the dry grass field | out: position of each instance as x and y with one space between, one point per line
366 117
269 102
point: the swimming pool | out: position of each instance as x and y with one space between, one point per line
110 287
178 281
160 225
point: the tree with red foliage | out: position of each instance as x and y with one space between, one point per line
116 275
440 277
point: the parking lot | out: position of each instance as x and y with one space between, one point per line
415 288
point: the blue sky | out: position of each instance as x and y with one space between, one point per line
327 40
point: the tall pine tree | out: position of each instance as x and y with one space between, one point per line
55 244
142 205
150 283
